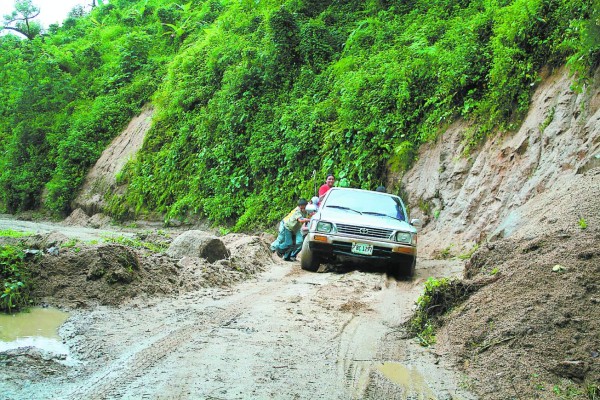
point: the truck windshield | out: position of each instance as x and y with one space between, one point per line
367 202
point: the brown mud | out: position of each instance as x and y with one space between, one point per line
145 325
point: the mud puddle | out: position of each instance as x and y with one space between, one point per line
409 379
37 328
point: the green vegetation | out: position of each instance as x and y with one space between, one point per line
593 391
445 253
438 298
251 97
423 322
13 280
137 243
568 390
13 233
547 120
467 255
70 244
582 223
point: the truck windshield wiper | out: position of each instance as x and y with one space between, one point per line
380 214
345 208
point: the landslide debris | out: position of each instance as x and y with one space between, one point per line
534 332
70 274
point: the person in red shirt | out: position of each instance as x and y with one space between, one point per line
329 181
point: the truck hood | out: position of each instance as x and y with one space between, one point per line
339 216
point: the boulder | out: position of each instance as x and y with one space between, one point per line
201 244
99 220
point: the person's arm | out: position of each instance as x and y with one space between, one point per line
303 220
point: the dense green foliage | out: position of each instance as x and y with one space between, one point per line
251 97
14 280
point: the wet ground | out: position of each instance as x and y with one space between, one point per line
282 334
287 334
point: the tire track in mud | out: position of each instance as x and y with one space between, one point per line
113 379
361 337
379 364
337 323
121 371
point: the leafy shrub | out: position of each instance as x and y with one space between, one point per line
13 280
439 296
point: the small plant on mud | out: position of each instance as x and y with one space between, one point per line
549 118
537 383
425 206
567 390
468 254
582 223
71 243
593 391
13 280
445 253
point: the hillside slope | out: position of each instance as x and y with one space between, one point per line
529 204
509 183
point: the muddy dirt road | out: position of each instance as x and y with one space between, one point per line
283 334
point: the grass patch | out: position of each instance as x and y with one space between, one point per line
137 243
467 255
14 234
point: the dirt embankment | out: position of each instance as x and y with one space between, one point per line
102 177
529 203
534 332
489 192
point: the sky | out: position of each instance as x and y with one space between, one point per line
51 11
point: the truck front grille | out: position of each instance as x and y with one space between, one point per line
364 232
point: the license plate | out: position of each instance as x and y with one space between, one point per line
362 248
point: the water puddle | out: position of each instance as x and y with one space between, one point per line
409 379
37 328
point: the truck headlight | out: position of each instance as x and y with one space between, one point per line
325 227
404 237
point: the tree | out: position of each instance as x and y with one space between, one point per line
21 19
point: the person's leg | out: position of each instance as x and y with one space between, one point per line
298 245
277 244
293 250
288 242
